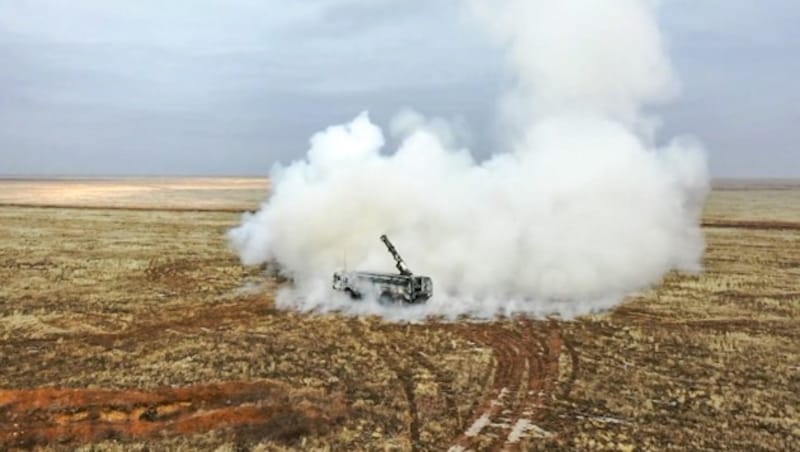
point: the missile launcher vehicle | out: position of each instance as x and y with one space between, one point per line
387 288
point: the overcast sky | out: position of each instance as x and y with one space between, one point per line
98 87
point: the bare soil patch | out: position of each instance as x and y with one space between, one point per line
42 416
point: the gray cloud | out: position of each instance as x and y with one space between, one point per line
229 87
740 69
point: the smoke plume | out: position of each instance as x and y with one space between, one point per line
582 208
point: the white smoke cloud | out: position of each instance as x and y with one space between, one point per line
581 210
591 56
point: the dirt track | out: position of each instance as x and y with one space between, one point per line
765 225
526 371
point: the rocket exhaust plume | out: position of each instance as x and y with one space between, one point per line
582 208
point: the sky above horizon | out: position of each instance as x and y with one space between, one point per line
229 87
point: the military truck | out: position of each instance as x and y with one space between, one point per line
387 288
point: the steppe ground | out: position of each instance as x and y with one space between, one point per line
127 324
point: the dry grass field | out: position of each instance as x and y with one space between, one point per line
127 324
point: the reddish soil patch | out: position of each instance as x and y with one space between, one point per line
260 410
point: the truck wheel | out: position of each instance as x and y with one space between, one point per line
385 298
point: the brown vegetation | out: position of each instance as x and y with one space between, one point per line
134 329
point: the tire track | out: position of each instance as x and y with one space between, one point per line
391 356
541 384
240 312
526 355
444 380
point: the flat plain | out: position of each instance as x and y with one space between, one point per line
127 324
